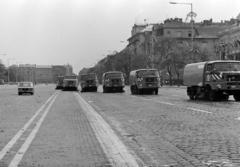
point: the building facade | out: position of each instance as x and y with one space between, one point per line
26 72
44 74
69 69
228 45
57 71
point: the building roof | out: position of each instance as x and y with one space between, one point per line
27 65
43 66
209 31
148 28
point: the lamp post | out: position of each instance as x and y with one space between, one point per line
8 68
16 70
191 18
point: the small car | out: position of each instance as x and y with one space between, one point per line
25 87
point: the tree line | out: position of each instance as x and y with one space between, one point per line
4 73
169 56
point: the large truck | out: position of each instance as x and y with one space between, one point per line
59 83
89 82
213 79
113 81
70 82
144 80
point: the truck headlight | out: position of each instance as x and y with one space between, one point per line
219 86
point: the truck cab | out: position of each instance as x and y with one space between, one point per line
113 81
70 82
213 79
144 80
89 82
59 83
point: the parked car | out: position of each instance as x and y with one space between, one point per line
113 81
89 82
144 80
25 87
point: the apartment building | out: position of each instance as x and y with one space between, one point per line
69 69
44 74
228 46
57 71
26 72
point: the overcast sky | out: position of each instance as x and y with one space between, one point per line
81 32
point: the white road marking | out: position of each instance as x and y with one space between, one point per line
18 135
199 110
18 157
117 153
164 102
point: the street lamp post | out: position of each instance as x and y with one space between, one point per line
8 68
191 19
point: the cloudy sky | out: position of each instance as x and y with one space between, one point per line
81 32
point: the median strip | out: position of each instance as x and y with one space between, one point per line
117 153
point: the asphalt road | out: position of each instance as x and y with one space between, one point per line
55 128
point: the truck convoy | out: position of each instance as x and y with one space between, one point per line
89 82
144 80
59 83
113 81
213 79
70 82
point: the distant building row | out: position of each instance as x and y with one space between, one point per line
40 73
221 39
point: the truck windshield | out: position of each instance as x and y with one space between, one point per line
227 66
148 73
84 77
114 75
70 77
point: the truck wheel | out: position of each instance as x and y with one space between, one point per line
105 90
236 97
212 95
156 91
132 89
191 93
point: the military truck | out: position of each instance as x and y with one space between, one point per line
213 79
144 80
89 82
113 81
59 83
70 82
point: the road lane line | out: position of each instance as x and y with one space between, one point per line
117 153
164 102
18 135
199 110
18 157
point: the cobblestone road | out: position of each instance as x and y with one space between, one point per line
167 130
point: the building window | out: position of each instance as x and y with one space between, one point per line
189 33
204 43
179 33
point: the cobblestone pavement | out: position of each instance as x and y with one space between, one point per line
170 130
70 142
165 130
